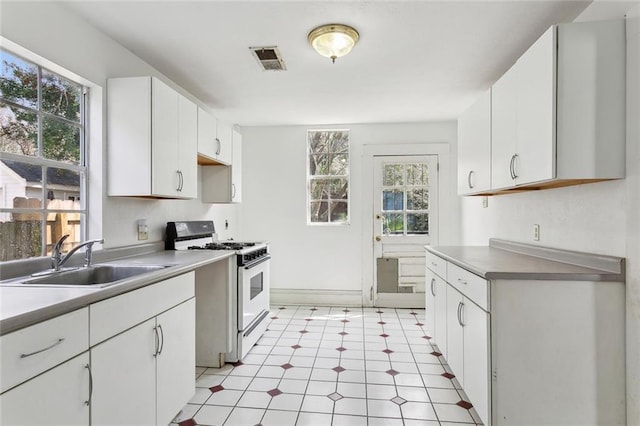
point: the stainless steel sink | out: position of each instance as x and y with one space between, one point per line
95 275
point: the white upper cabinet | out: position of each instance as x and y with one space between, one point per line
223 184
558 115
474 147
152 132
214 140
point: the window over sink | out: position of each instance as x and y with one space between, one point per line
43 164
328 177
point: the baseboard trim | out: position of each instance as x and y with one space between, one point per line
286 296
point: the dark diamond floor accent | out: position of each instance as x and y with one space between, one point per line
413 313
343 333
392 372
338 369
188 422
308 319
274 392
335 396
314 309
398 400
341 349
274 317
381 322
216 388
379 312
385 335
419 324
436 353
464 404
296 346
346 310
387 351
448 375
344 320
426 337
237 364
286 366
303 331
282 307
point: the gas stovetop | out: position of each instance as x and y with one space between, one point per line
223 245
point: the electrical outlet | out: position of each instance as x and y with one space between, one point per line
485 202
143 229
536 232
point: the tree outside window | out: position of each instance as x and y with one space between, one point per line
328 177
42 161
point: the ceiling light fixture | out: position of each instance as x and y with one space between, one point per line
333 40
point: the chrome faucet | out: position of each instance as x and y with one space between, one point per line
57 260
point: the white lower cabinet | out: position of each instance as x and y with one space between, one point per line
476 356
59 396
436 310
455 337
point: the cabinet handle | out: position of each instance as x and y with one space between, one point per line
461 281
161 340
471 172
219 148
88 402
460 308
512 166
233 194
433 281
157 340
435 265
60 340
180 180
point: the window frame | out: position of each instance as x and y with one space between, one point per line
82 168
311 178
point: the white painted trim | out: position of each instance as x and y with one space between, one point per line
442 150
285 296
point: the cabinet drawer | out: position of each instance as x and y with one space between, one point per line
437 265
28 352
112 316
472 286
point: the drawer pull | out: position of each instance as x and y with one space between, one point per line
60 340
461 281
157 341
162 340
460 308
88 402
433 281
434 264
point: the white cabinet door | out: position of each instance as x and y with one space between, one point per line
58 397
187 149
455 337
224 135
474 147
164 136
124 378
430 304
441 315
504 102
236 168
476 357
536 111
207 143
176 360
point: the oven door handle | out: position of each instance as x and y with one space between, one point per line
257 262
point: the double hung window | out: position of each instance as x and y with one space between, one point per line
42 159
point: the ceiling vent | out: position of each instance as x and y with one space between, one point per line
269 58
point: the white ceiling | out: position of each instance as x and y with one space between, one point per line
416 60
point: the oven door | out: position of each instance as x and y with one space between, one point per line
253 292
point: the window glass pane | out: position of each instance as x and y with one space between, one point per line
392 199
417 174
61 141
328 164
60 96
339 164
319 189
338 142
339 189
21 235
418 199
319 211
18 130
59 224
18 80
417 223
339 211
63 189
392 175
393 223
20 185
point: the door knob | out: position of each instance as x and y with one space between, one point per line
378 238
378 216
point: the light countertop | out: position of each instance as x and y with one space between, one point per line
22 305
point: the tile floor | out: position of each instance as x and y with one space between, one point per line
322 366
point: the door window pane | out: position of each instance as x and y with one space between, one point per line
418 199
405 190
392 199
417 223
392 175
393 223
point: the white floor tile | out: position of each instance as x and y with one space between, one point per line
407 379
245 370
437 381
379 378
253 399
352 376
187 412
313 419
270 371
317 404
209 380
344 420
353 406
227 397
297 373
237 382
452 413
414 394
244 416
263 384
201 396
320 388
418 411
279 418
352 390
286 401
383 408
381 421
444 396
212 415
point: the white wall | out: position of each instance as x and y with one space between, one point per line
600 218
318 259
49 30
